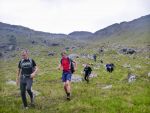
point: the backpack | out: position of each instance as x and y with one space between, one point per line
30 62
71 65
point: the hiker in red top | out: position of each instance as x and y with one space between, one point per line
68 66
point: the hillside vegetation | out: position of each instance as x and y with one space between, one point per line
105 93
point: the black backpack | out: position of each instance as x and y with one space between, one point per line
30 62
71 65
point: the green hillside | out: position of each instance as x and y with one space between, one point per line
106 93
123 97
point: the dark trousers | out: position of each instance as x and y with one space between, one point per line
110 69
25 85
86 77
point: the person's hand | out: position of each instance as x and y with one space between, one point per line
32 75
75 69
60 68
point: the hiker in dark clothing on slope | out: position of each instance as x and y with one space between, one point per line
26 72
94 57
87 73
110 67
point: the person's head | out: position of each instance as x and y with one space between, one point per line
87 64
25 54
64 54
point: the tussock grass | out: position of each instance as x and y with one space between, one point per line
123 97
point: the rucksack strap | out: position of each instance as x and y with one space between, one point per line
29 60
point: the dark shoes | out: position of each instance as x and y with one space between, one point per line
68 98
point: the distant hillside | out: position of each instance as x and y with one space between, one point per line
136 30
13 36
7 28
80 34
24 34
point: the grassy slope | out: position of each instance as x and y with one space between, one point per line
86 98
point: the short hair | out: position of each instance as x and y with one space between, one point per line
63 53
25 51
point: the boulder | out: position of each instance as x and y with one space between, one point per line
107 87
51 53
11 82
76 78
127 51
73 56
131 78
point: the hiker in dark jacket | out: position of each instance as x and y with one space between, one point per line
110 67
87 72
94 57
26 72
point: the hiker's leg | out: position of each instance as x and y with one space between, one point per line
29 85
65 88
64 81
86 78
68 86
68 82
23 93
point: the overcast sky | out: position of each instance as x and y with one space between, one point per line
65 16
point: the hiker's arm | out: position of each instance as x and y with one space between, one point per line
18 75
75 65
60 67
34 72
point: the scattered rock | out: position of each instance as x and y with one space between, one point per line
101 50
107 87
36 93
93 75
96 67
73 56
149 74
11 82
138 66
76 78
55 44
11 47
88 56
7 47
127 51
127 65
33 42
51 53
131 78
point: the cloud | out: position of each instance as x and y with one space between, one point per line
65 16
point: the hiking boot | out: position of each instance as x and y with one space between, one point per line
68 98
25 108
